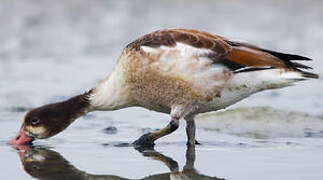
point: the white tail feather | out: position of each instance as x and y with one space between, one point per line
268 79
293 75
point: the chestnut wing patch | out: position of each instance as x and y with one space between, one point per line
255 58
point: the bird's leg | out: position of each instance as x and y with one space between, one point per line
147 140
190 132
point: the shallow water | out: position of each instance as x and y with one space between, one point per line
51 50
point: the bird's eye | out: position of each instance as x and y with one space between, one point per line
35 120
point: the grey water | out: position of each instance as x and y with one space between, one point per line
52 50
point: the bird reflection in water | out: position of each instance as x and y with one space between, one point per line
45 164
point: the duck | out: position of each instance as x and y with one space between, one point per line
181 72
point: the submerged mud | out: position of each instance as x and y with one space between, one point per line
263 122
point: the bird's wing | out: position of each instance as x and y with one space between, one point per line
237 56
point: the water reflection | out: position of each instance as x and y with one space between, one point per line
45 164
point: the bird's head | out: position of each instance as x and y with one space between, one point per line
48 120
40 123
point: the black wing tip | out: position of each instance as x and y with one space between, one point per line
305 58
288 57
298 65
298 57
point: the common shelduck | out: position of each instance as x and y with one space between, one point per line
181 72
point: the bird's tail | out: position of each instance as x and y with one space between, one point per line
297 75
292 62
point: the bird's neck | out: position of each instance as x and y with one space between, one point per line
74 107
111 94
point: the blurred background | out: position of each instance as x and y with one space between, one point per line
77 42
52 50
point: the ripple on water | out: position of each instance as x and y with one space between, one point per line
110 130
19 109
117 144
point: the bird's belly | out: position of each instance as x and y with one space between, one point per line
159 93
228 97
158 90
153 106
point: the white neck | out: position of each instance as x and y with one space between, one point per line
111 94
